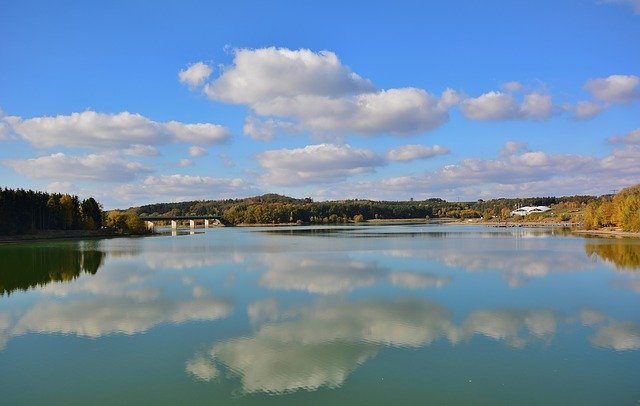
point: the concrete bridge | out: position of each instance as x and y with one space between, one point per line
208 220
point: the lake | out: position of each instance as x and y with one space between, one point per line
370 314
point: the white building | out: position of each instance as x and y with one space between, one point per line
526 210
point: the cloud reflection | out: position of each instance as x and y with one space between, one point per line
99 317
618 336
323 343
334 274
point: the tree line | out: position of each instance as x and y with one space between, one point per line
619 211
27 211
277 209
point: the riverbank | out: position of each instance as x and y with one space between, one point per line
53 235
607 233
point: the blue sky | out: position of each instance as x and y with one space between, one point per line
134 102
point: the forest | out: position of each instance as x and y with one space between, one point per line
619 211
277 209
26 212
29 212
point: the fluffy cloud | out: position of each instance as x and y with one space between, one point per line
503 106
198 133
587 109
402 111
631 138
270 73
320 163
413 152
141 150
195 74
515 174
99 130
184 187
196 151
513 147
512 86
322 95
615 88
265 130
4 131
93 167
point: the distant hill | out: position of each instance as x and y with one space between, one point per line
273 208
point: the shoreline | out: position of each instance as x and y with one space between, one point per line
64 235
607 233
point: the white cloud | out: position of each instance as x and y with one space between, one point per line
630 138
503 106
93 167
513 147
321 163
196 74
4 131
265 130
512 86
322 95
198 133
537 106
615 88
196 151
99 130
413 152
183 187
183 163
588 109
519 173
270 73
491 106
141 150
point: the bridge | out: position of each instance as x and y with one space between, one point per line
149 220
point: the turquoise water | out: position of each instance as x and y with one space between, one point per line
409 314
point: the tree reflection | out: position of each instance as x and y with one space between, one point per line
625 254
27 266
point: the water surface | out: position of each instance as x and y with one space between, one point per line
374 314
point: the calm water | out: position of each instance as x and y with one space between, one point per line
410 314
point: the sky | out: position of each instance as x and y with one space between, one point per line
136 102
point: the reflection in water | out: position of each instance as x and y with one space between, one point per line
319 346
517 263
326 275
623 253
99 317
337 273
27 266
327 342
618 336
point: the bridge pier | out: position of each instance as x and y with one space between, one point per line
174 225
192 224
150 225
206 223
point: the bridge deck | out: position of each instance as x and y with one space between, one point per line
160 218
